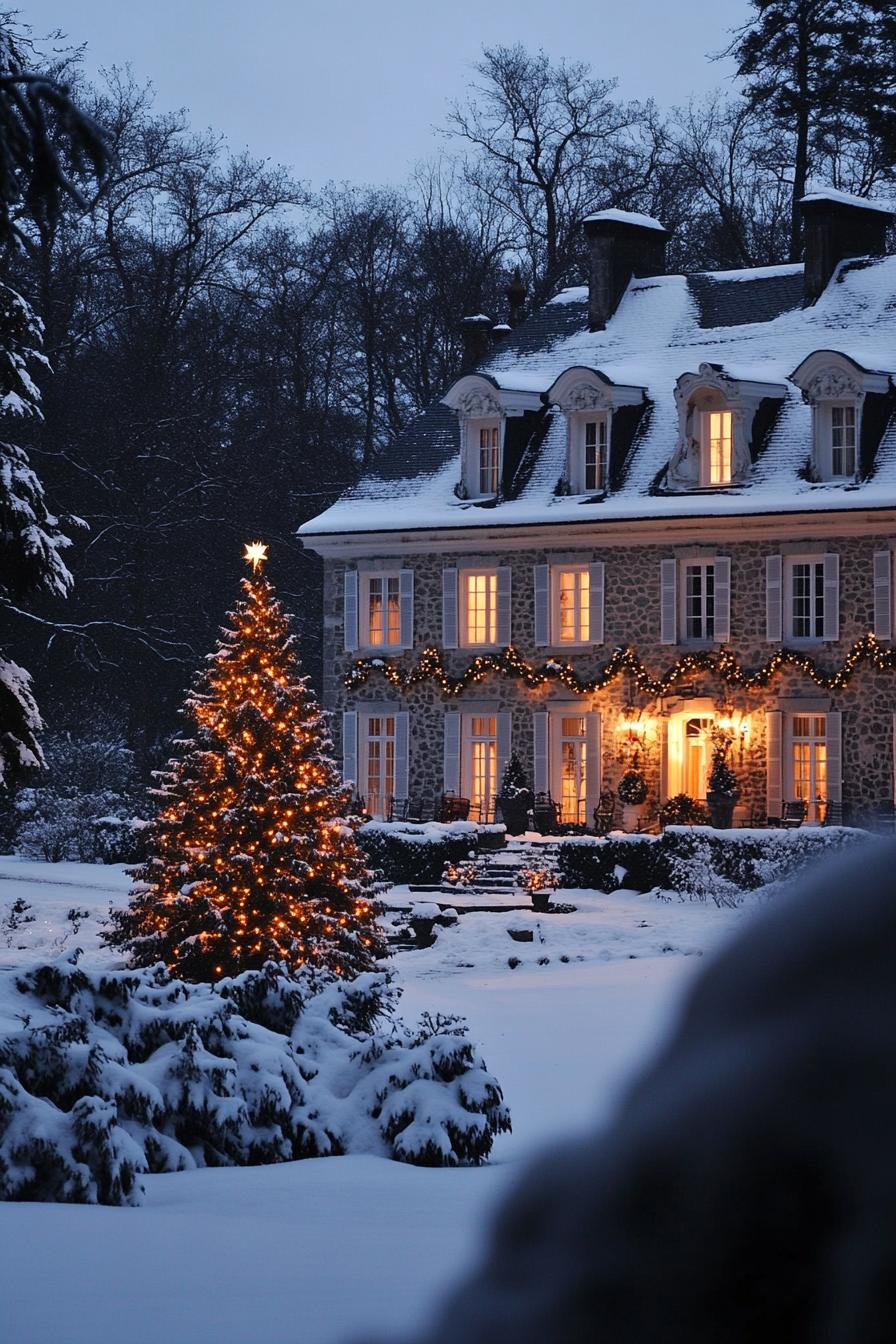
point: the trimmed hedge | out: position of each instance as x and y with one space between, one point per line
406 851
698 862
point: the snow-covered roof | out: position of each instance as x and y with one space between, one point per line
751 323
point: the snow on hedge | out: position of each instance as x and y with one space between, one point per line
106 1075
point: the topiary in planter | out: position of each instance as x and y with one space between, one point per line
514 797
722 791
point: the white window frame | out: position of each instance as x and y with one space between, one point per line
578 445
824 448
815 806
705 565
472 456
469 737
369 577
584 571
816 561
706 453
463 575
364 743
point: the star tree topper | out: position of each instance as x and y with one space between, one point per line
255 554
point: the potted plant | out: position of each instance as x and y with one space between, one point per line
722 792
514 797
632 793
682 810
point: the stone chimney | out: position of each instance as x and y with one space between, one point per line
620 245
477 335
516 299
838 227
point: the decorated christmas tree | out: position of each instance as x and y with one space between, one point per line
252 856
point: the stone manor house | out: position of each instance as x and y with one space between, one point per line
662 505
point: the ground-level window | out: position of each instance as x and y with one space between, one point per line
573 769
808 762
698 597
482 763
573 605
378 774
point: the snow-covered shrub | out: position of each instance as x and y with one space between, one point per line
697 862
108 1075
85 804
405 851
464 874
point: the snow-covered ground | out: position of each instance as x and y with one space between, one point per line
335 1249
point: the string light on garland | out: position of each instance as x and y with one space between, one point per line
720 663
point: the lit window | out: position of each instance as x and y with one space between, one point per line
488 460
480 592
843 440
809 763
719 447
573 769
807 599
573 606
595 477
384 610
699 601
380 772
483 769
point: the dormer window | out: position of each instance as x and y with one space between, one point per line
840 392
489 446
718 442
720 428
595 447
590 401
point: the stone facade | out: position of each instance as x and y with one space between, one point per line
632 619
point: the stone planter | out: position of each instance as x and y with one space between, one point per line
632 816
721 809
515 816
541 900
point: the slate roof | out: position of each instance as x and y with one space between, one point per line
750 322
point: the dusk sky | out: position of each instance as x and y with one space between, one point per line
353 90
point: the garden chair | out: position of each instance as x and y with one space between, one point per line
454 808
545 814
398 809
605 813
793 814
833 813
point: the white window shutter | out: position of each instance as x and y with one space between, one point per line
503 608
722 598
449 608
833 732
774 602
406 608
592 764
774 762
542 579
596 603
540 755
668 612
401 754
350 747
503 728
451 774
832 596
350 606
883 594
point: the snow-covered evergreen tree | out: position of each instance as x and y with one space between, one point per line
30 536
253 854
